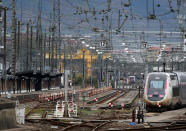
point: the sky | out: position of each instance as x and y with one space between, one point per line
83 16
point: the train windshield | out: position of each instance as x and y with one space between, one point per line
157 81
158 84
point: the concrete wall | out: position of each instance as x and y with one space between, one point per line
7 118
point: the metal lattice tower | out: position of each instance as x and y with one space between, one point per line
39 34
0 21
58 11
53 30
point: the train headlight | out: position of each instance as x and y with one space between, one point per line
158 105
150 95
161 96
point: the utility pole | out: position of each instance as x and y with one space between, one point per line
115 83
27 46
27 57
58 48
13 42
49 48
1 21
71 70
21 50
161 28
1 44
64 68
146 62
39 32
65 84
172 59
83 69
101 69
53 30
49 42
52 61
91 71
18 56
119 15
110 33
107 70
18 44
44 62
31 36
4 52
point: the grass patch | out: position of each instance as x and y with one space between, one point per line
39 111
27 110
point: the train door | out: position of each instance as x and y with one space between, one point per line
183 89
175 85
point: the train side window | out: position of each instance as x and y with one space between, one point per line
174 80
173 77
183 79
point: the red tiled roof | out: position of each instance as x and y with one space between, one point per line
156 48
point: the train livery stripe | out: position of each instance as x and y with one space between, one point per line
147 86
165 87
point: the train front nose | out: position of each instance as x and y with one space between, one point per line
156 88
154 95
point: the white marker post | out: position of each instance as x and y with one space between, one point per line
122 106
95 100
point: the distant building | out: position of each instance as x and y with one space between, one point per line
182 14
154 52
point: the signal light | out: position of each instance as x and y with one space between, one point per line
95 99
110 105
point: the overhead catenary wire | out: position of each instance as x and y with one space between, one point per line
85 23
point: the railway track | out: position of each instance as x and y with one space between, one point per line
103 101
100 125
81 125
95 125
92 126
102 98
103 121
126 98
45 106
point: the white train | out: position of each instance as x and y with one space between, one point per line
163 89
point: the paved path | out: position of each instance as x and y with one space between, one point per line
166 116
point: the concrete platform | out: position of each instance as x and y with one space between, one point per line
6 103
128 98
